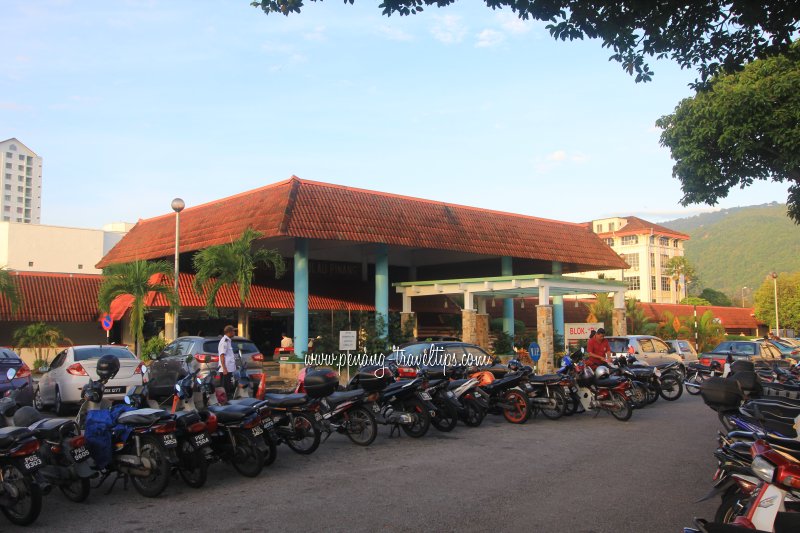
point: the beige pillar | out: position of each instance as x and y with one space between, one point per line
169 327
618 323
243 329
482 330
469 331
544 336
405 320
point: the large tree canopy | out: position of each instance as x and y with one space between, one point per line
710 35
743 127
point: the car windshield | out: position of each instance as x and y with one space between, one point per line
618 345
684 346
740 348
95 352
246 347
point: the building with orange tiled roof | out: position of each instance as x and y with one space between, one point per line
646 248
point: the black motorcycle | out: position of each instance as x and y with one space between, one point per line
545 392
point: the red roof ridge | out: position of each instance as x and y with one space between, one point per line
27 273
434 202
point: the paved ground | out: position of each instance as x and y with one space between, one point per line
578 474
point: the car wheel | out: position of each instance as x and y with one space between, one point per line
37 400
59 406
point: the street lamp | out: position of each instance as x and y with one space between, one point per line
775 288
743 289
177 206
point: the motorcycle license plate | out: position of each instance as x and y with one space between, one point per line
267 424
257 431
317 416
627 393
32 463
201 439
170 441
376 407
424 395
113 390
80 454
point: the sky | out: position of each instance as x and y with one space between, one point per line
132 103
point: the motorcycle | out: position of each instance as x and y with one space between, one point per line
661 380
545 393
697 373
503 395
597 390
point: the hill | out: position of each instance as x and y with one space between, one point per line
739 247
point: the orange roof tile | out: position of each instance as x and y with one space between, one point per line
49 297
731 317
301 208
638 226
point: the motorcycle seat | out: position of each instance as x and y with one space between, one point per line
142 417
249 402
507 382
186 418
545 378
230 413
343 396
456 383
50 428
608 382
12 435
642 371
285 400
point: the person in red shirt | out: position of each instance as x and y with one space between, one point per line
597 349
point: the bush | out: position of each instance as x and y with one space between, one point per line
39 363
152 347
503 344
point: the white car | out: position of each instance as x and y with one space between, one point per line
647 349
72 368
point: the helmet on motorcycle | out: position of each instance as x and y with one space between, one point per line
601 372
107 367
514 365
566 361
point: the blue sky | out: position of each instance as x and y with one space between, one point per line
132 103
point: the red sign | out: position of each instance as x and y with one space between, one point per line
106 321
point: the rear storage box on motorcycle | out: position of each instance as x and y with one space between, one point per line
749 382
743 365
721 394
321 382
373 378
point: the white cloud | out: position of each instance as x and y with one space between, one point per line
557 158
513 24
558 155
578 157
488 38
317 34
448 29
394 34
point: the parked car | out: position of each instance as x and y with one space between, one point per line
758 351
71 369
684 349
8 360
647 349
788 351
197 353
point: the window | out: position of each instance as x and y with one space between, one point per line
13 147
632 260
20 177
599 228
8 197
652 260
22 157
630 239
8 176
30 263
6 219
664 260
7 209
20 188
653 286
665 284
652 239
9 154
30 160
20 199
609 241
633 283
646 345
675 243
20 167
28 182
611 226
19 210
80 267
663 241
8 165
95 352
660 346
8 186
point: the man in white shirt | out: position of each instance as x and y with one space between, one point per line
227 361
286 341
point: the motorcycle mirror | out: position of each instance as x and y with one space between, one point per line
178 388
11 373
127 399
145 369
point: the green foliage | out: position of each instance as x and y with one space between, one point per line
788 301
695 300
709 35
138 279
671 327
233 263
152 347
496 324
736 248
503 344
715 297
638 323
742 128
601 310
371 336
40 337
9 290
709 331
681 266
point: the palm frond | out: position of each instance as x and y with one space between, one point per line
10 290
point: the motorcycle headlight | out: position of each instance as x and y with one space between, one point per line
178 388
763 469
127 399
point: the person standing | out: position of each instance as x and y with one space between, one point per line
286 341
227 361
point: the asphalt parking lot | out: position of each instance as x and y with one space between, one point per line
580 474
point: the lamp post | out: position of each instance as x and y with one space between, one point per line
177 205
743 289
775 289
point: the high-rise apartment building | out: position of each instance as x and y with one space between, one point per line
20 183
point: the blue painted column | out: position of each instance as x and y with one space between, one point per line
300 296
506 269
558 306
382 285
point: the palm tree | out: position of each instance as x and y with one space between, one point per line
675 268
709 330
231 264
601 310
671 327
39 336
9 290
638 322
138 279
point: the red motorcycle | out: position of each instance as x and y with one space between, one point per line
597 389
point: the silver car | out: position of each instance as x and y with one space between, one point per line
647 349
72 368
684 349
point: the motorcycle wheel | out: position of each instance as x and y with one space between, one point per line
557 411
77 491
192 465
361 426
26 510
446 419
248 460
570 405
153 485
671 387
474 414
731 506
306 435
520 409
272 449
622 410
652 393
697 379
639 394
422 419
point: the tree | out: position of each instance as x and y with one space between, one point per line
670 327
710 331
711 35
788 301
138 279
695 300
716 297
638 322
679 266
742 128
601 310
9 290
39 336
231 264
